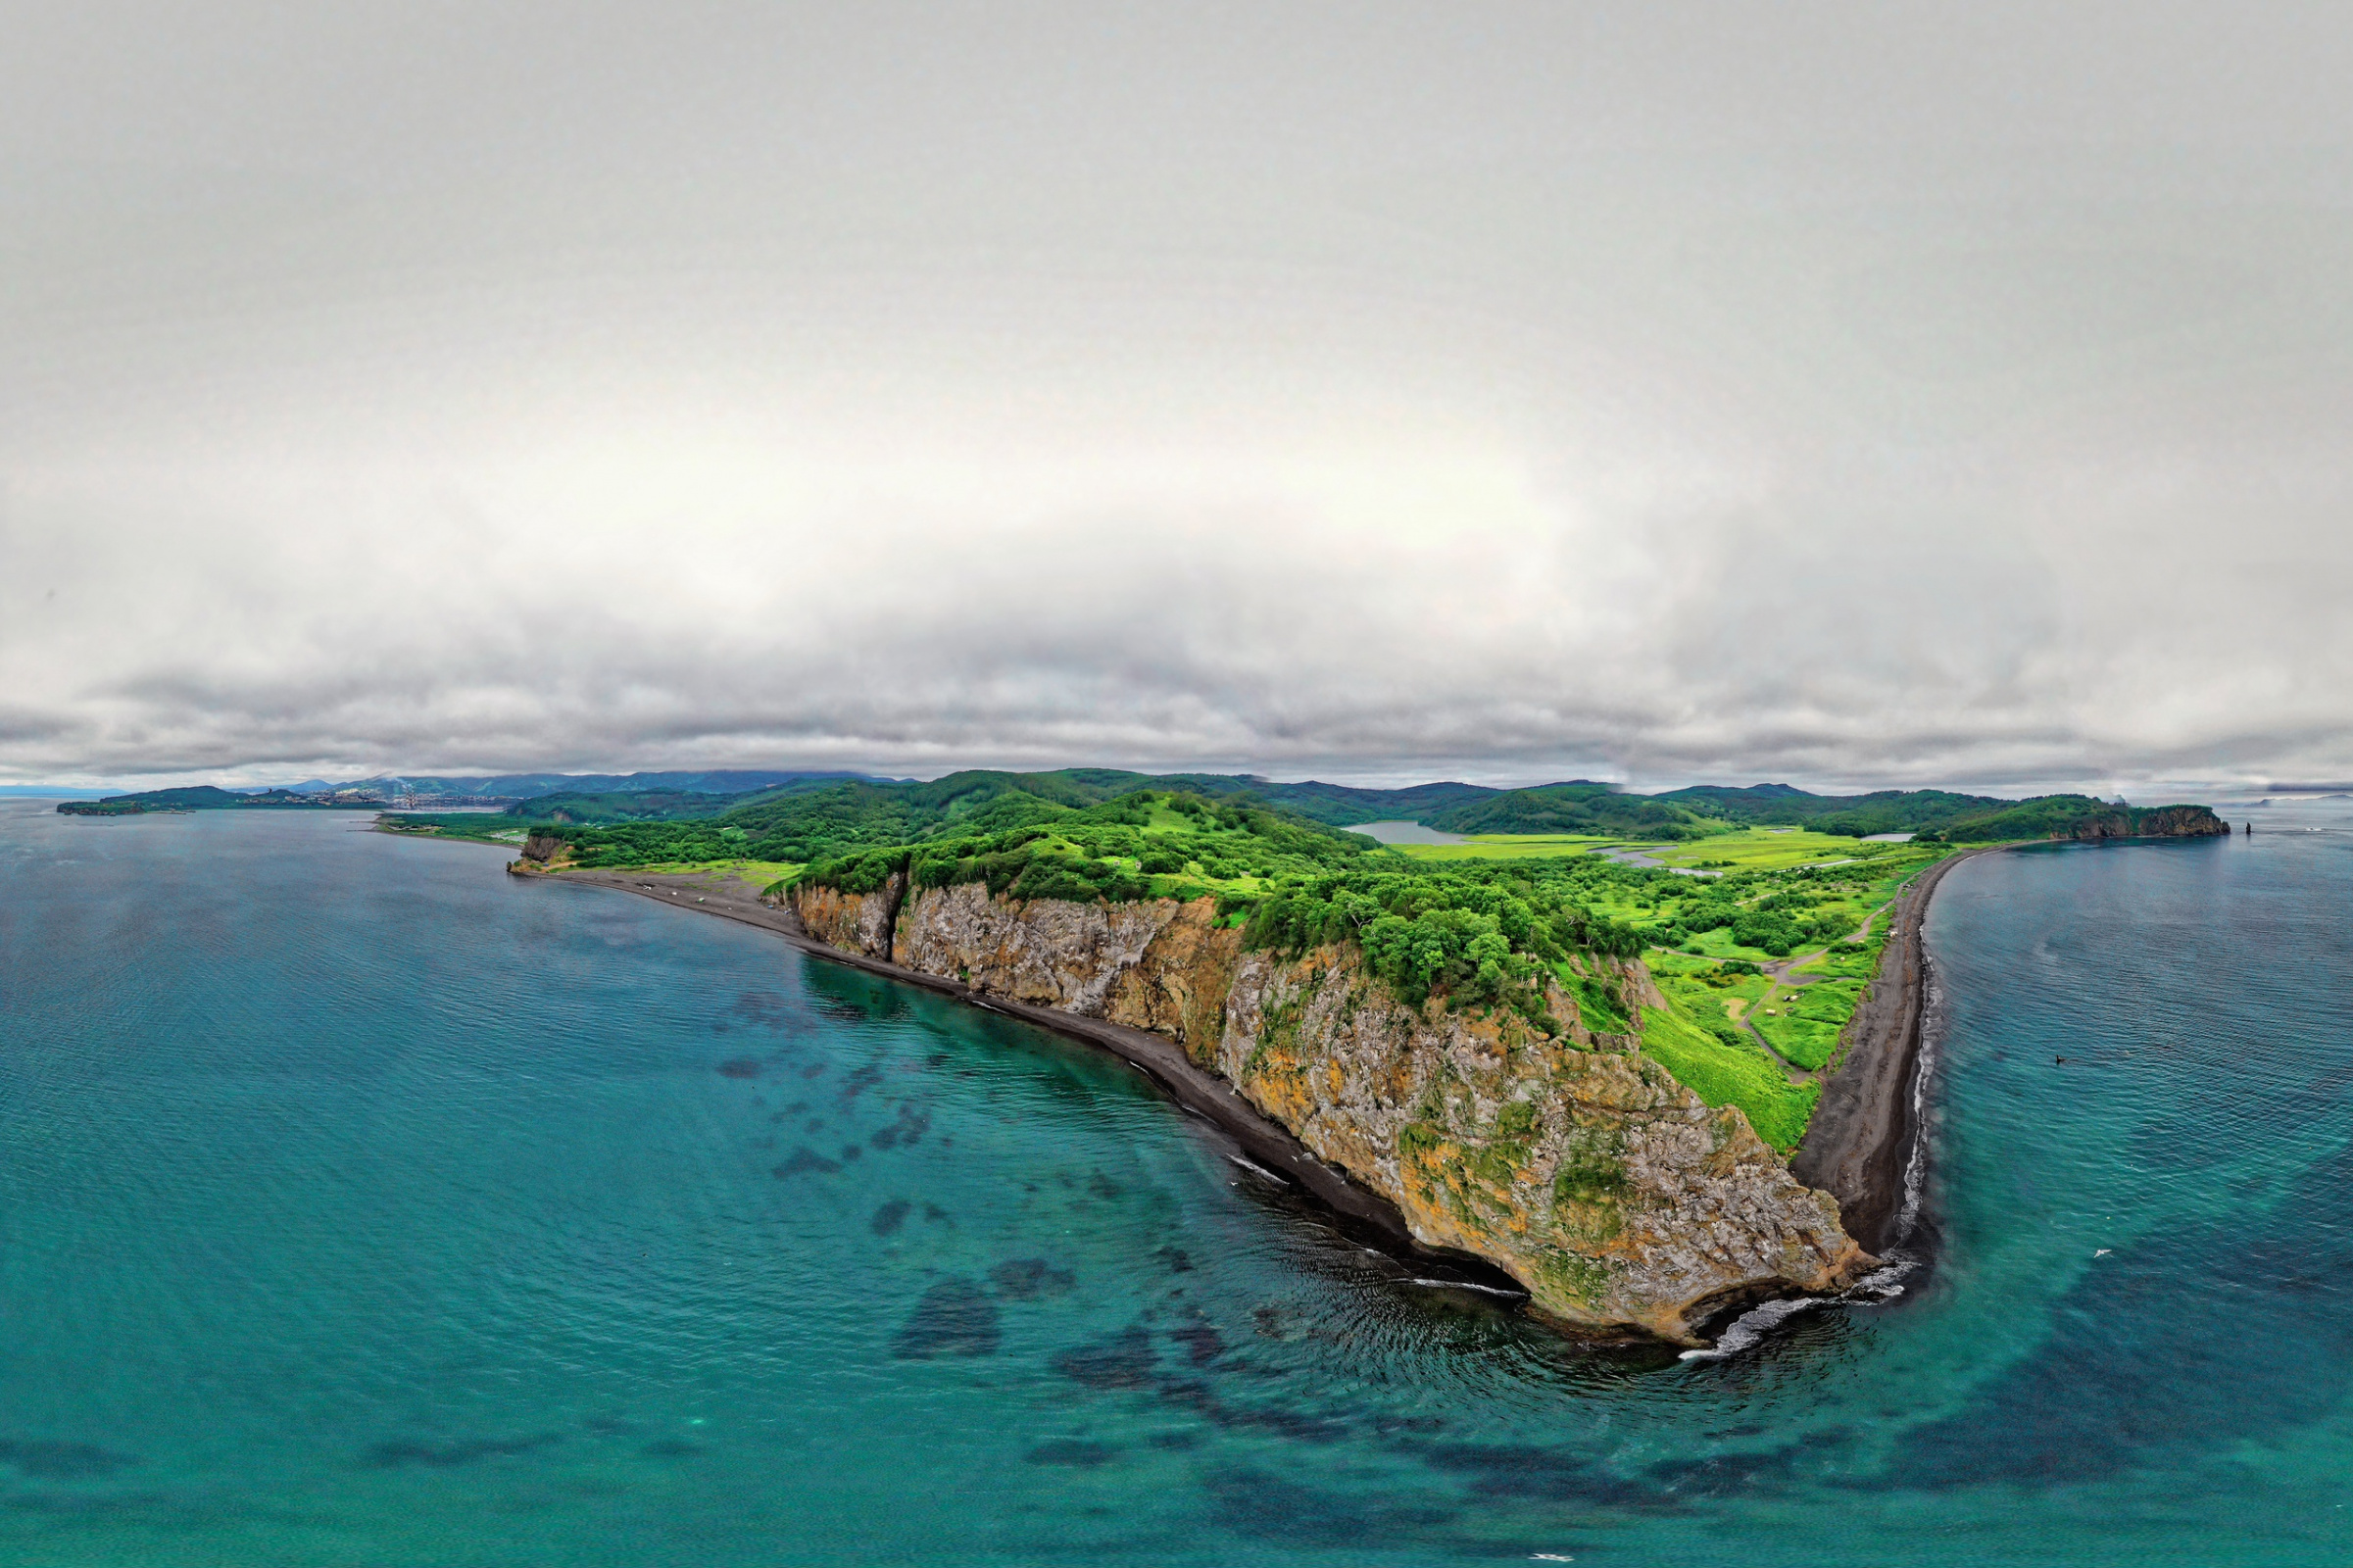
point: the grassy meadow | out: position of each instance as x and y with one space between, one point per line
1507 847
1770 849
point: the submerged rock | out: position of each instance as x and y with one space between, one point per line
955 1317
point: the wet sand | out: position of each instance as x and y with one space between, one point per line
1860 1146
1263 1145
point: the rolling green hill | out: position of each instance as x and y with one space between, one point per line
810 818
1578 807
1941 815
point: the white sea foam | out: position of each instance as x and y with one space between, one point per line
1753 1325
1932 1036
1253 1165
1466 1285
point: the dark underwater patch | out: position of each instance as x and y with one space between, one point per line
402 1452
740 1067
1201 1343
1025 1279
837 1012
802 1160
1074 1451
671 1448
40 1459
909 1129
1299 1425
955 1317
888 1218
1125 1360
2179 1343
1508 1470
1260 1503
763 1007
1718 1475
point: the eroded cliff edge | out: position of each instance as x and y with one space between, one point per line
1570 1160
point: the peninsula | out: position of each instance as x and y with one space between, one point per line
1581 1042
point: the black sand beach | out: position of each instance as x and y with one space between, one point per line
1863 1134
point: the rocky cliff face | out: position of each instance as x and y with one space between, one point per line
1574 1163
543 848
2156 822
2180 822
853 922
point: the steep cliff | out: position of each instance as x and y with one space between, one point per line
544 849
2136 822
1577 1163
2160 822
853 922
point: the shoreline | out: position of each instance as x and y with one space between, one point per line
1261 1145
1866 1135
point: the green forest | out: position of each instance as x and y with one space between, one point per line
807 819
1469 930
1934 815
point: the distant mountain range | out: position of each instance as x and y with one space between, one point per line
810 817
806 810
522 786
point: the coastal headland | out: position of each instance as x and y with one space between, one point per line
1573 1172
1649 1080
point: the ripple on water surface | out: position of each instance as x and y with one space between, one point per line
367 1206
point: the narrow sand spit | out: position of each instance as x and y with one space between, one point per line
1860 1146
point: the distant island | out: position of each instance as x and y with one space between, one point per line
209 798
1583 1038
470 792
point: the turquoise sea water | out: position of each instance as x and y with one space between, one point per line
360 1204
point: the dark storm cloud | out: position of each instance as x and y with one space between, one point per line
1841 393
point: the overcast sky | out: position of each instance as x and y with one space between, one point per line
1853 395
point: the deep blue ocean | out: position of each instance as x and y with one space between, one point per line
363 1206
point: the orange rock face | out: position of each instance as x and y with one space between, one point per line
1572 1160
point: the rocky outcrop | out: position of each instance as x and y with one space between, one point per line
853 922
2153 823
1578 1165
1571 1160
2180 822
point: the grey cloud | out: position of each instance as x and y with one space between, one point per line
1851 394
